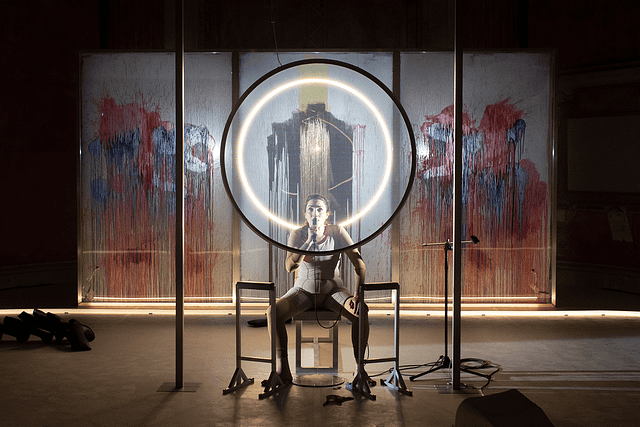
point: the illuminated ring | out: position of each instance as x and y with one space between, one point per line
256 109
369 76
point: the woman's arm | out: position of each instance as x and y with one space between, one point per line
360 269
293 259
358 266
354 256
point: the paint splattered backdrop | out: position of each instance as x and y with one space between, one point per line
128 185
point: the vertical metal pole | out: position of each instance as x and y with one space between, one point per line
396 329
272 305
235 217
395 226
447 247
238 337
179 260
457 203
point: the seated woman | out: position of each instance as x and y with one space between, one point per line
318 283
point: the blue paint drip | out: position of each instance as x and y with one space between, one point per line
164 158
522 180
516 135
495 191
440 135
472 143
95 147
164 141
99 190
124 145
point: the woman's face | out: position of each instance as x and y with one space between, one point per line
316 209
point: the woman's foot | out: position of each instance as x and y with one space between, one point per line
370 382
285 377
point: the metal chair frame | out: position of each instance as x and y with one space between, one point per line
360 383
239 380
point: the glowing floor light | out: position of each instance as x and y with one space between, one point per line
262 102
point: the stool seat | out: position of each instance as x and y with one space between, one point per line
320 314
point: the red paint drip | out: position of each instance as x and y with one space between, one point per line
506 207
116 119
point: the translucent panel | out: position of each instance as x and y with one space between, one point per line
317 145
315 137
127 241
507 132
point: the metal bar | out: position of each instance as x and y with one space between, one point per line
457 203
380 360
553 191
381 286
397 125
361 362
238 337
80 241
255 359
235 217
447 247
272 305
396 331
261 286
179 261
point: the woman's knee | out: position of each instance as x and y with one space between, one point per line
361 308
282 308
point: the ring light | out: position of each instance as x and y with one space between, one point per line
263 101
256 108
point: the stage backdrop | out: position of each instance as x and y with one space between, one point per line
127 179
507 140
127 237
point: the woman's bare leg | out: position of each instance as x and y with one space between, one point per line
350 313
286 308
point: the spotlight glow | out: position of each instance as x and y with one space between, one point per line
263 101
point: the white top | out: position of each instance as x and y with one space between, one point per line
320 274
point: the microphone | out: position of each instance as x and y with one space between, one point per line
313 236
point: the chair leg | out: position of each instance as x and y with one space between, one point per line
238 381
298 345
334 340
273 385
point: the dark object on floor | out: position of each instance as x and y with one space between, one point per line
507 409
334 399
16 328
30 321
76 336
46 326
258 323
262 322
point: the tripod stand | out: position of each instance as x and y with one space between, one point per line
444 362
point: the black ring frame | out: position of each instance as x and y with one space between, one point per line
369 76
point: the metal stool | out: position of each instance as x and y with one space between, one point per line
360 383
239 380
317 376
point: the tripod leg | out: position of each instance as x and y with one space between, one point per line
443 363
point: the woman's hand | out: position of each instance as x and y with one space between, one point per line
354 304
315 233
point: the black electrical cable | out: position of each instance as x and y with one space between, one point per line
469 363
275 39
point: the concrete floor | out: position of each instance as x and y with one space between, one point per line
581 369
